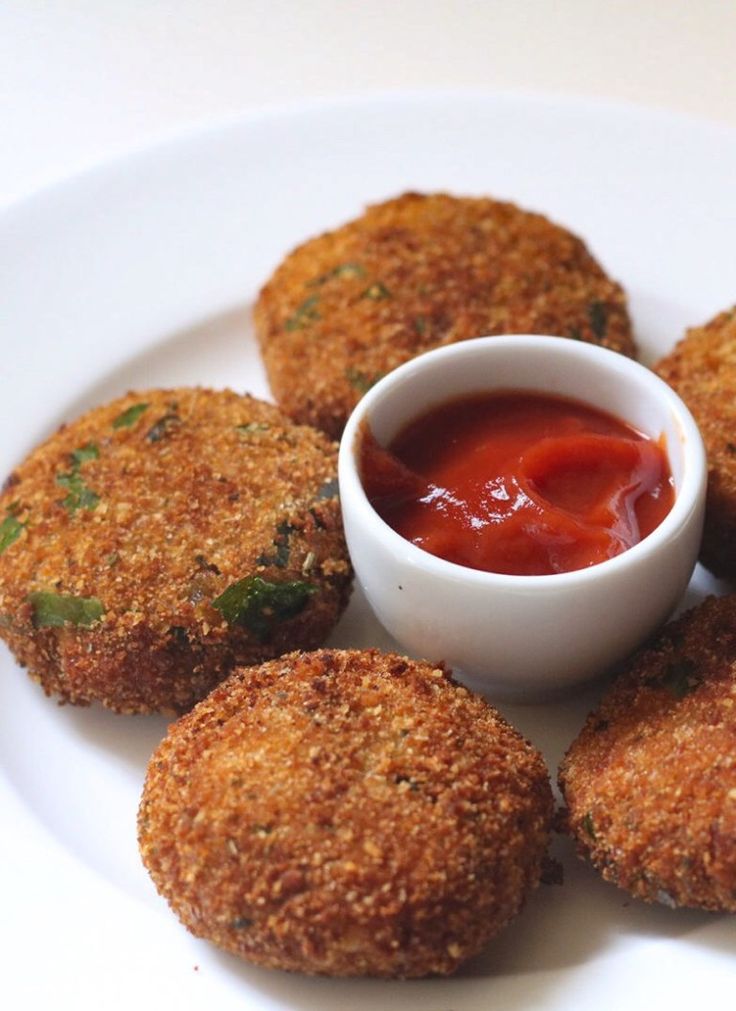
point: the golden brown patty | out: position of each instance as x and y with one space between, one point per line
152 544
650 783
346 813
702 369
412 274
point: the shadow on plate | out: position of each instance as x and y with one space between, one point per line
561 928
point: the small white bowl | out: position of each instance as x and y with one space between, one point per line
525 637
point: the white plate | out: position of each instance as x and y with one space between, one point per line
142 273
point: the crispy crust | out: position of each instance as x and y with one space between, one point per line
702 369
650 782
201 490
414 273
345 813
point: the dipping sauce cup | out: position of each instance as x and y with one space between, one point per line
525 637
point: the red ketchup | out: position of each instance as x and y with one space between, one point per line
520 483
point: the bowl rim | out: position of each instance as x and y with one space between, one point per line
687 498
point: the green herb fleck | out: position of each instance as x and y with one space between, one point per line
327 490
10 531
113 558
57 609
6 621
588 825
680 678
241 923
341 270
129 416
258 604
598 317
361 381
163 427
83 454
376 292
574 334
348 270
420 325
251 428
305 314
79 496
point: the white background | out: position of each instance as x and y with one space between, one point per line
82 80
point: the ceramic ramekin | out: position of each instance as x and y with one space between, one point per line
525 637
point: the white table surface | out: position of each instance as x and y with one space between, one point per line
84 80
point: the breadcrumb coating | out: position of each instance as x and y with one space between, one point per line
345 813
414 273
702 370
650 782
151 545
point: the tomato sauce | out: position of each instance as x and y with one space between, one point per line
520 483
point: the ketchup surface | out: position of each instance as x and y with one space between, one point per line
520 483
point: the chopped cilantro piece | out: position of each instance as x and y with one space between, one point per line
6 621
361 381
79 496
57 609
83 454
598 317
10 531
258 604
348 270
341 270
241 923
129 416
376 291
304 314
420 325
163 427
680 678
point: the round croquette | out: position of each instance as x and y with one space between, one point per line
702 370
415 273
650 783
345 813
151 545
